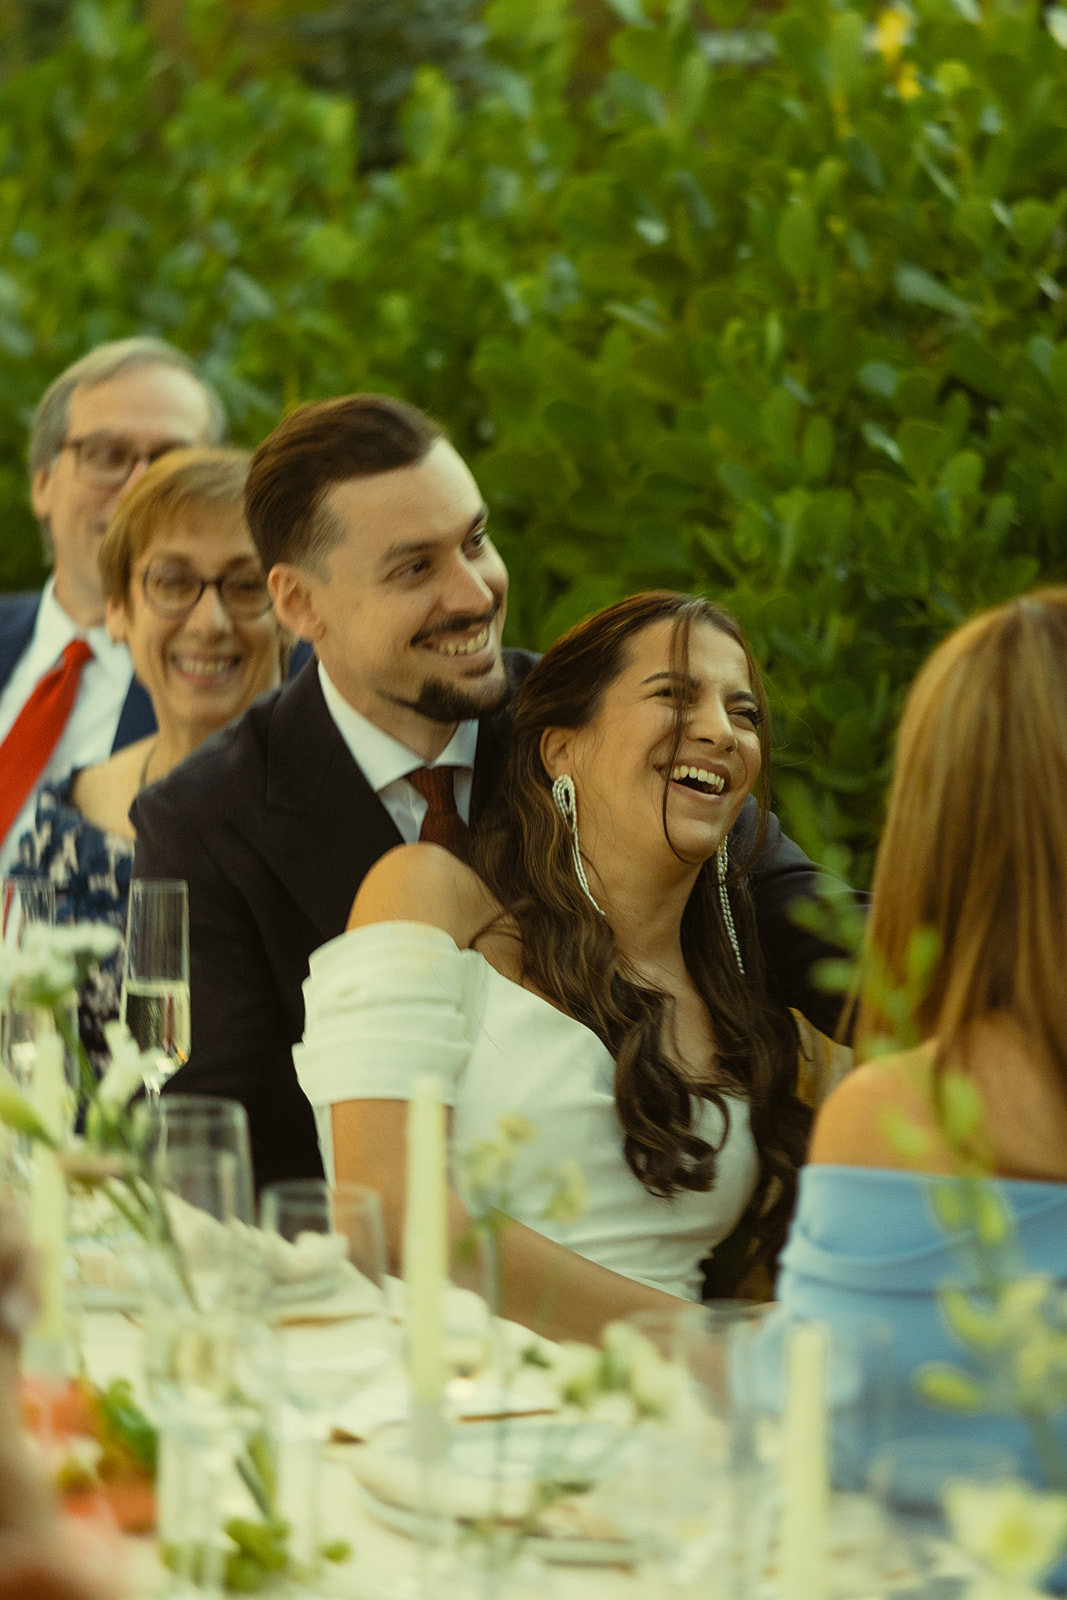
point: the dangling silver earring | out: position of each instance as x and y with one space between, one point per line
566 803
722 862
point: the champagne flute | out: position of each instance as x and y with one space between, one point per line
155 983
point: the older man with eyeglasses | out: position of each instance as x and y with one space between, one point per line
67 692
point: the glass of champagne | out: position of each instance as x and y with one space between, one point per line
155 982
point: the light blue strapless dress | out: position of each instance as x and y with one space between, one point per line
865 1243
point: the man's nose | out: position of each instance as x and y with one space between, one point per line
466 589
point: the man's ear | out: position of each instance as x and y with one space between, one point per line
294 602
40 493
116 621
557 750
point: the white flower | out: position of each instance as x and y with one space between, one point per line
1016 1531
570 1196
576 1370
515 1128
125 1073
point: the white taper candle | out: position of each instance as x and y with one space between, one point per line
426 1261
805 1465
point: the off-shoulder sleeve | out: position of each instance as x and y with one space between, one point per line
383 1004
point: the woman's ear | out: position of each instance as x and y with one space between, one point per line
556 750
115 621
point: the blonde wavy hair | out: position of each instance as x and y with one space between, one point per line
975 840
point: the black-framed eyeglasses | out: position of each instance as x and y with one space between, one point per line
107 459
173 591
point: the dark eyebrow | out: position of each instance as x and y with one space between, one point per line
689 682
418 547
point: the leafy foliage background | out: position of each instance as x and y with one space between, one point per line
768 306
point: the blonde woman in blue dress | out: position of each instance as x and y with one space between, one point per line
974 849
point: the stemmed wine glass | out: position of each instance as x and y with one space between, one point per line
155 982
324 1356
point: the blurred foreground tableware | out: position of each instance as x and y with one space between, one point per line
907 1479
208 1122
204 1358
338 1345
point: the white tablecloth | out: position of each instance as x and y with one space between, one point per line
112 1347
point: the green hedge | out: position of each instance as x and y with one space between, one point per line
773 311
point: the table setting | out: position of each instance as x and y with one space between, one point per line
239 1397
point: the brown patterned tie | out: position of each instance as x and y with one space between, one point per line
442 823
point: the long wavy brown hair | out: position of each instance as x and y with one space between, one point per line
523 852
975 840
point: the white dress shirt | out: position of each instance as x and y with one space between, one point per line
384 761
93 722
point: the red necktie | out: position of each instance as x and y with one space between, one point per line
25 752
442 823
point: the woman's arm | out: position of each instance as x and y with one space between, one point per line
544 1285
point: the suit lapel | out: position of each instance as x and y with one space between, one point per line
18 614
325 826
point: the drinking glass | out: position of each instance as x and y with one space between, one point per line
324 1353
24 901
203 1355
155 982
689 1485
208 1122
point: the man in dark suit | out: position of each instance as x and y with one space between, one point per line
374 535
95 430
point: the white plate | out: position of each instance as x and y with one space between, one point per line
491 1469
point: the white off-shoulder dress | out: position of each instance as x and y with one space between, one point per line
387 1002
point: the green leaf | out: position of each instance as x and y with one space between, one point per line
962 473
946 1386
817 450
797 239
920 287
878 378
631 12
863 160
922 447
962 1109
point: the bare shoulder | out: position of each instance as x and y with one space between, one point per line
104 793
424 883
881 1115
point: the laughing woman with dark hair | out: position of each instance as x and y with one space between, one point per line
596 969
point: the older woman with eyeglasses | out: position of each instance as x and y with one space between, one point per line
186 593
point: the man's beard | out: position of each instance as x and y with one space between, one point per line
451 702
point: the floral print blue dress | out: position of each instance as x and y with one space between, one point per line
90 871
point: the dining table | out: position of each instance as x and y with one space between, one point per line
382 1561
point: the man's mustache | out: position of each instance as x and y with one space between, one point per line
456 625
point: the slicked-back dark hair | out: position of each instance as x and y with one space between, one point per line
318 445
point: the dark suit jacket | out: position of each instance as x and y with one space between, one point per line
273 825
18 613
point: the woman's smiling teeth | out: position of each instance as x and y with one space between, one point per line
199 667
698 778
460 647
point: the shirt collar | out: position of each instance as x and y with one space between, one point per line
56 628
383 758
